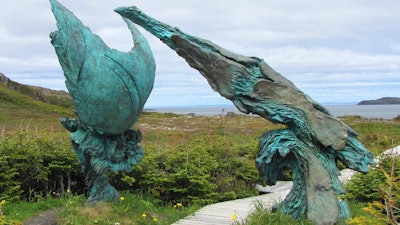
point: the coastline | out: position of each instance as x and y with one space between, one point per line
387 112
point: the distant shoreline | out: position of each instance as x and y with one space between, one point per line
381 101
367 111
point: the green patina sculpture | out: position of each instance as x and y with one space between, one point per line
109 89
313 140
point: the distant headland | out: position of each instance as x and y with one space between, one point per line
381 101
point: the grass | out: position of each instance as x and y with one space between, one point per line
138 209
262 215
131 209
20 112
376 134
22 210
357 209
172 130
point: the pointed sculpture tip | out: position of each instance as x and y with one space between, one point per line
55 4
58 9
121 10
128 11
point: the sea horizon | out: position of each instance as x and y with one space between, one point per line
342 109
228 105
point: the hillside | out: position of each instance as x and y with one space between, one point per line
61 98
20 106
381 101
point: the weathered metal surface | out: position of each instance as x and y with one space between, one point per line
109 89
312 141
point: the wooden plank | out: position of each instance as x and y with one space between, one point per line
221 213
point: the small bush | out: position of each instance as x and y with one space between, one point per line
368 187
384 209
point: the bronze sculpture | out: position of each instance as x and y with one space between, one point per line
109 89
313 140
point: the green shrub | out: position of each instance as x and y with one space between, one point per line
9 187
36 165
385 209
368 187
204 169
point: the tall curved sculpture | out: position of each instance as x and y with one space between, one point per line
313 140
109 89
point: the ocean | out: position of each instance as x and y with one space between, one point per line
367 111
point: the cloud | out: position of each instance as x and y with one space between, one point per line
337 51
325 59
396 47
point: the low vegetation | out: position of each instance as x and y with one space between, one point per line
131 209
189 161
379 190
21 113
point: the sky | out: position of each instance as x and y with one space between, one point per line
337 52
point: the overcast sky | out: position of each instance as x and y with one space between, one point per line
341 51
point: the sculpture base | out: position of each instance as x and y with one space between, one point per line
315 188
99 188
100 153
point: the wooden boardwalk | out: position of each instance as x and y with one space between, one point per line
221 213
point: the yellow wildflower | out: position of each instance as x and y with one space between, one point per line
155 219
233 217
144 214
68 191
121 198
